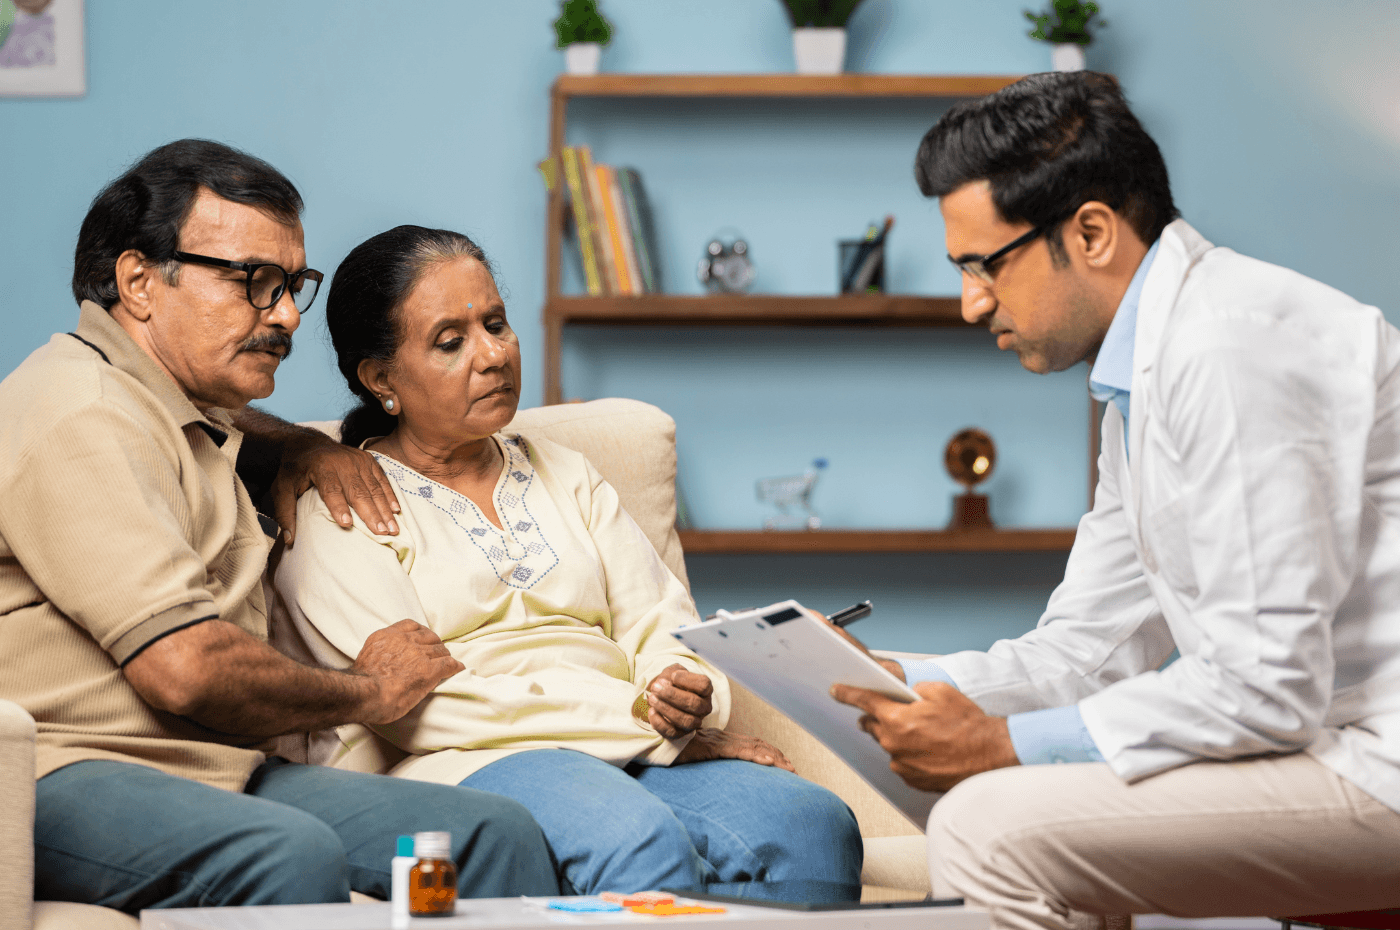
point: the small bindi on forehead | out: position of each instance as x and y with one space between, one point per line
459 289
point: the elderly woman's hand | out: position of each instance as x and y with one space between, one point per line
709 744
678 700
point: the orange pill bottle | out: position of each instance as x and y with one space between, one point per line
432 882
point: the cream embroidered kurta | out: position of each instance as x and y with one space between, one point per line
561 618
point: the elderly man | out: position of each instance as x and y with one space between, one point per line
1247 514
132 620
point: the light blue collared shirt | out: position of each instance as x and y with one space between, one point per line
1111 378
1058 734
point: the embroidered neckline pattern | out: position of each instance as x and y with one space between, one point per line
518 525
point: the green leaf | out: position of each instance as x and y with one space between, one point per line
580 21
1066 21
823 14
7 19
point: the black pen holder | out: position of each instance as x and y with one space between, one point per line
849 254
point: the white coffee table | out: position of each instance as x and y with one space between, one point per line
515 914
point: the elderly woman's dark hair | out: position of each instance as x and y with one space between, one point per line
1048 144
362 310
147 206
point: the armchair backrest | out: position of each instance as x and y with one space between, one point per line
16 817
633 446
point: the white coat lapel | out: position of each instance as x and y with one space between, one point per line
1181 247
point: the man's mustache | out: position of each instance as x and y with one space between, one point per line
269 341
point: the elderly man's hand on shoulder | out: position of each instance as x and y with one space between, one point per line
346 477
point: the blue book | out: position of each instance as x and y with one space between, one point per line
639 220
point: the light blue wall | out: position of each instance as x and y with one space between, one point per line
1279 119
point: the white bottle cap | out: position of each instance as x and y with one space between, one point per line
432 845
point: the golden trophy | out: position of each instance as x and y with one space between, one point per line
970 458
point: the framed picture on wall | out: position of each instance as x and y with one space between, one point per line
41 48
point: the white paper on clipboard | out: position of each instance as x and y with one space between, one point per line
791 659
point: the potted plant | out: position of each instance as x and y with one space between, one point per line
581 32
1067 26
819 33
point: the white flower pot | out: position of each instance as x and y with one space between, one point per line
819 51
1067 56
582 57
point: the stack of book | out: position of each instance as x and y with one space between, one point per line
612 220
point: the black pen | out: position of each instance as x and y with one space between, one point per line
851 614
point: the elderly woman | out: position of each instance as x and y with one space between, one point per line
576 700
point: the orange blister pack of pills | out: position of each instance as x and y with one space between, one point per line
674 910
656 904
638 898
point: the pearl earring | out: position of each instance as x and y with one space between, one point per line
389 404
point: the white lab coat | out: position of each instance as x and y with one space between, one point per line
1255 527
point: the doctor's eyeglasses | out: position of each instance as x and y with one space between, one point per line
980 266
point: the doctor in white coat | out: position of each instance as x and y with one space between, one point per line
1247 515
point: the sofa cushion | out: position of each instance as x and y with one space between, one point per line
16 815
899 862
633 446
65 915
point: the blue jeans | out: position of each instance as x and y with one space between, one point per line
130 837
726 826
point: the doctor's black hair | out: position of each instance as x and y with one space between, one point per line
145 209
1048 144
362 310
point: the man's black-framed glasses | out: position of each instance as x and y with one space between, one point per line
267 282
980 266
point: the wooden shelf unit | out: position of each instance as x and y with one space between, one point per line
779 85
757 310
729 310
778 542
771 309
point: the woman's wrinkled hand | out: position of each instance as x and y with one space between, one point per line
709 744
678 701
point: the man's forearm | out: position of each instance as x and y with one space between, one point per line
265 428
219 676
267 440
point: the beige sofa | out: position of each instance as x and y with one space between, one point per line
633 445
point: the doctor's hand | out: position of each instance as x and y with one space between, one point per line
936 742
889 665
678 700
709 744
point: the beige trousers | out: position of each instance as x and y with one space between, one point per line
1269 836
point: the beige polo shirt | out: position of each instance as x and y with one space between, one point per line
121 520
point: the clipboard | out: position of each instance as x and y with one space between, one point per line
791 659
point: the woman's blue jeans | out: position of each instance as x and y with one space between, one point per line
726 826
